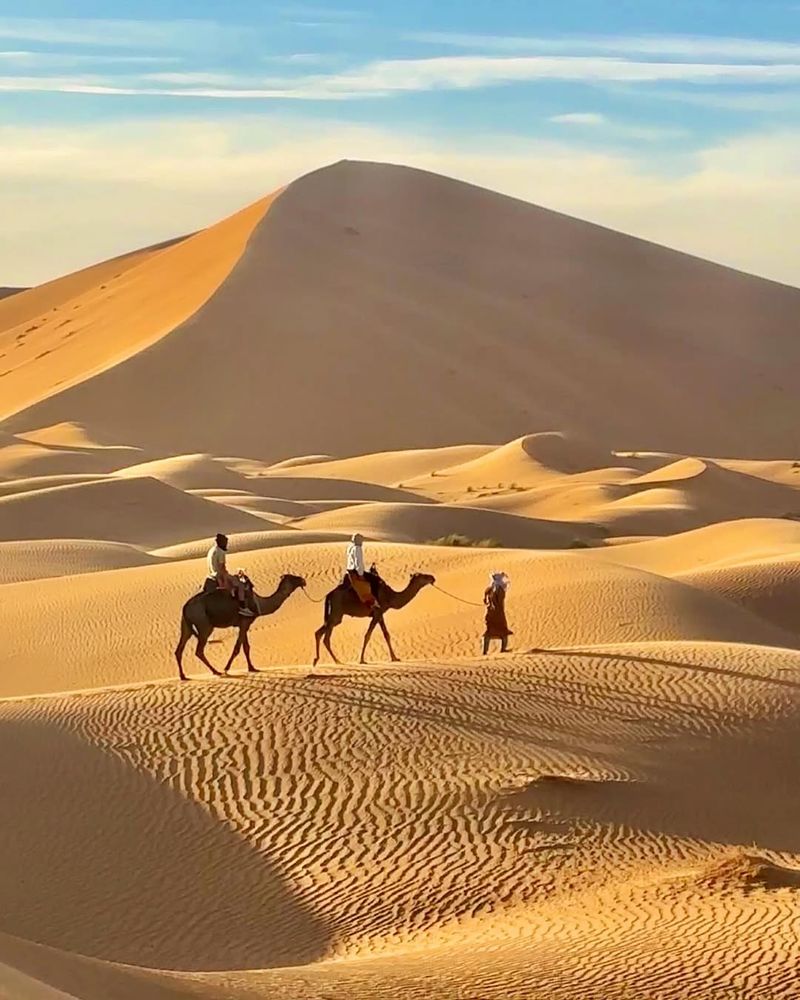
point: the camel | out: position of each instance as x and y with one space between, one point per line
343 601
205 612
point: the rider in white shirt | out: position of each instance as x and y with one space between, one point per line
219 577
355 570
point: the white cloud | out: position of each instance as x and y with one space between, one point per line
69 196
610 130
689 46
590 118
118 33
382 78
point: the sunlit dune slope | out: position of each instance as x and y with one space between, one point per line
450 291
558 600
64 333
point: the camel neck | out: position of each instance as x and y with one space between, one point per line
266 605
401 598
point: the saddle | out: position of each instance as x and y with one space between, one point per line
366 588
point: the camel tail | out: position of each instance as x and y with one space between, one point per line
327 608
187 624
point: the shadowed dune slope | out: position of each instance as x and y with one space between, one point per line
411 522
140 511
658 350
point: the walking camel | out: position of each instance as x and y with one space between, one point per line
205 612
344 602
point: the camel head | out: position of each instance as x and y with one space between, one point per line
423 579
292 581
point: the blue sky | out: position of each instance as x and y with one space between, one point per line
676 121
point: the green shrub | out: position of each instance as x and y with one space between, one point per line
462 542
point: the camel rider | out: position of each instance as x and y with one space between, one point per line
355 571
219 577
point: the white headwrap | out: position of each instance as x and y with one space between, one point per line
499 579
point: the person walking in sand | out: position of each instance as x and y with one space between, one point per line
494 597
219 577
355 570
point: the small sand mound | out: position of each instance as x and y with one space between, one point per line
732 543
393 468
533 460
188 472
142 512
37 560
300 462
684 468
744 871
299 488
410 522
21 459
67 434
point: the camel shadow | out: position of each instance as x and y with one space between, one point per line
701 668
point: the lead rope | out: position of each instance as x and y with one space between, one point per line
455 597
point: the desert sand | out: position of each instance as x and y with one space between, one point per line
607 812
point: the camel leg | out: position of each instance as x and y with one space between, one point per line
367 637
317 636
246 643
485 645
332 619
327 641
235 652
199 652
388 638
186 635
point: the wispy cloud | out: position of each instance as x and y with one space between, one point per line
665 46
595 124
383 78
27 59
117 33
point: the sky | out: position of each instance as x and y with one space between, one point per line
122 124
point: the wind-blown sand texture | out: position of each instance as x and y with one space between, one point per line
608 812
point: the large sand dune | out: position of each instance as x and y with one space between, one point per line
481 317
609 812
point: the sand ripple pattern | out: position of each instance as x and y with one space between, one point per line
499 827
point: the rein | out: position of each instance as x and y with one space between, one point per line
455 597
